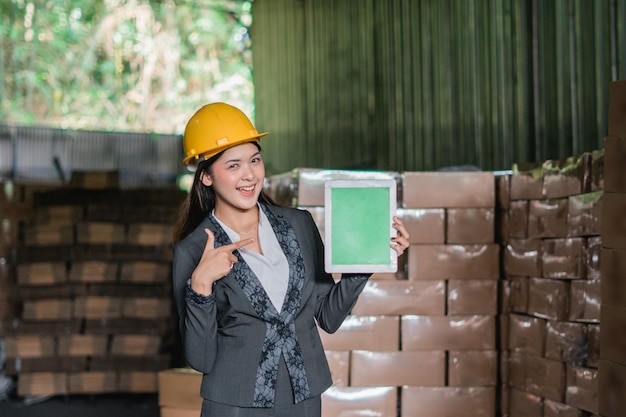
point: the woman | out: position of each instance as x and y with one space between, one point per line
249 279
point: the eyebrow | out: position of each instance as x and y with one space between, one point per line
239 159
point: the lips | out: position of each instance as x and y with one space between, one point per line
247 191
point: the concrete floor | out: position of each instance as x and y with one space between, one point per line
125 405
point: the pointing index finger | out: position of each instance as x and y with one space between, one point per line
234 246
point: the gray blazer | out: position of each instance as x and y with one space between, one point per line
235 335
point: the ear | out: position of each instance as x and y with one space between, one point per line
206 179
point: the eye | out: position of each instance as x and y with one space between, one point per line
256 159
233 166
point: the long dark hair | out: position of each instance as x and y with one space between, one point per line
200 200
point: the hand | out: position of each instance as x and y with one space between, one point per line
401 242
215 263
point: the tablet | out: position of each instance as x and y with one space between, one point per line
358 232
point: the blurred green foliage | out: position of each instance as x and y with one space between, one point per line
122 65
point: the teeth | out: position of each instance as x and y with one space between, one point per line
246 188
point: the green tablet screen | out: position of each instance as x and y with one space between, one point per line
358 233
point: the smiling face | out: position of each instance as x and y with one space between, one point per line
237 179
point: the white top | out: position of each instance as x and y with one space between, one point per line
270 267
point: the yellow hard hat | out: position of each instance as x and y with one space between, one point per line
214 128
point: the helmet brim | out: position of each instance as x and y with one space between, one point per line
192 161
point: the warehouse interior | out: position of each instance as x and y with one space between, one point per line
510 300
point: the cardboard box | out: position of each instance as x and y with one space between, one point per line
538 376
563 258
179 388
566 342
614 220
611 388
401 297
524 404
41 273
30 346
585 300
97 307
142 272
377 369
548 298
548 218
93 271
435 262
470 225
150 234
424 225
135 344
522 257
40 234
582 388
138 382
472 296
447 401
613 269
614 163
146 307
339 364
473 368
92 382
570 176
448 332
354 401
38 384
527 182
100 232
527 334
47 310
375 333
585 214
82 345
448 189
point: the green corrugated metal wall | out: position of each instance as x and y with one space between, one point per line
424 84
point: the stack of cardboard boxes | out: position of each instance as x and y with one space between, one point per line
612 364
12 211
495 307
427 338
551 291
92 272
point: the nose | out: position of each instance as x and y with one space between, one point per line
248 173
